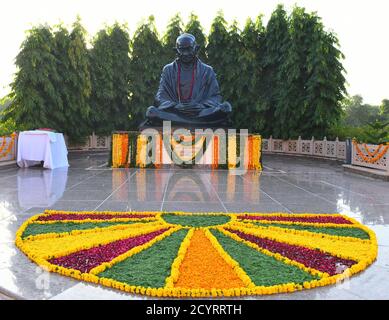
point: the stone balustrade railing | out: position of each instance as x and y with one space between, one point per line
93 142
317 148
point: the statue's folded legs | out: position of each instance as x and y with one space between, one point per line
213 116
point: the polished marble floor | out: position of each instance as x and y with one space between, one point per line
287 184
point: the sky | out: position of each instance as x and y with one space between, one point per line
362 28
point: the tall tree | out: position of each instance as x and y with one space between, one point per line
145 70
357 113
52 84
194 27
218 50
291 103
75 82
110 73
277 42
33 93
8 126
174 29
252 53
325 86
63 67
235 78
384 110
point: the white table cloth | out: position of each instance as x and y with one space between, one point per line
36 146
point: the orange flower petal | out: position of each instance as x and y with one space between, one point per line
203 267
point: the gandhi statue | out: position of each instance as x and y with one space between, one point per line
188 92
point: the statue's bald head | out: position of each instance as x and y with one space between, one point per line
186 40
186 47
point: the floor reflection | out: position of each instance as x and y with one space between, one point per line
180 186
40 188
185 187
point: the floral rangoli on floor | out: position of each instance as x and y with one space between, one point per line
199 255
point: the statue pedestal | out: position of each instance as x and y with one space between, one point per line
216 148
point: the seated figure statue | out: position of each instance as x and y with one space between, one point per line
188 92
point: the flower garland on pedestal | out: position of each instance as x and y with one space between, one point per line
192 144
232 153
256 145
215 152
141 151
119 150
129 149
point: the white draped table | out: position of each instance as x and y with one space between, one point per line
36 146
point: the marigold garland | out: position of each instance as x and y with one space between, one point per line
103 256
159 151
356 250
215 152
120 150
141 153
309 257
372 156
308 233
231 151
274 255
10 146
204 267
120 243
250 152
124 139
4 139
130 149
256 144
234 265
129 253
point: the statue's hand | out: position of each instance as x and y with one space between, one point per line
188 108
180 106
191 109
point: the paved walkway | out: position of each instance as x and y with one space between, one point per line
287 184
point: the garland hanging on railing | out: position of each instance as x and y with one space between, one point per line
3 144
374 152
373 157
10 146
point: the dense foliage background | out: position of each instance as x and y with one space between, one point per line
284 79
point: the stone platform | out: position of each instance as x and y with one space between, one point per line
286 184
369 172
